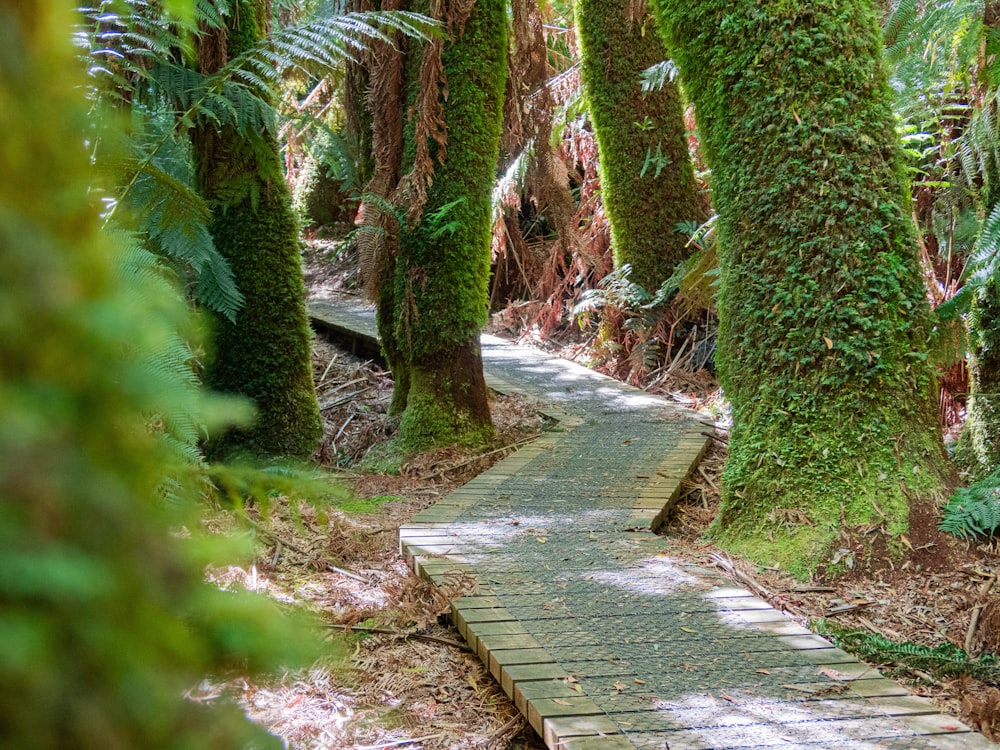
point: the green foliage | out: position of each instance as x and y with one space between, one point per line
106 621
174 219
655 77
930 49
974 511
944 662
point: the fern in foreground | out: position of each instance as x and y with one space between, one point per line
946 661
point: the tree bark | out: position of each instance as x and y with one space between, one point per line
822 310
646 175
265 354
442 270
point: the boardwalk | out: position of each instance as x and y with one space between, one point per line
599 639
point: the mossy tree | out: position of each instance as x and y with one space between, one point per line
265 353
646 175
823 317
429 275
979 447
442 270
106 620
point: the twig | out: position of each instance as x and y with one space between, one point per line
974 623
418 636
327 370
397 743
715 438
445 470
727 565
515 721
343 427
342 400
277 552
705 476
347 573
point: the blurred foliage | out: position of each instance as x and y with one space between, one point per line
104 618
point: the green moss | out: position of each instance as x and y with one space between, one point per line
646 175
822 313
365 504
265 354
444 263
439 297
432 422
979 447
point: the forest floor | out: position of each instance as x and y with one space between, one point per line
401 677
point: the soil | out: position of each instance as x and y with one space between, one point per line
400 676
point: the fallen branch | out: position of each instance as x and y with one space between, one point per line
976 611
417 636
397 743
834 611
278 542
446 469
342 400
759 589
716 438
347 573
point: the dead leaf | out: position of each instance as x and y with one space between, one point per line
906 541
540 540
833 674
618 686
828 341
637 681
561 702
762 671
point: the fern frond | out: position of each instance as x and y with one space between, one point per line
946 661
974 511
655 77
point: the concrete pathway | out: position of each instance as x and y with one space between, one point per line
599 638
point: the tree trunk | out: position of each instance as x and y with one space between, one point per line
979 448
646 175
823 315
442 268
265 354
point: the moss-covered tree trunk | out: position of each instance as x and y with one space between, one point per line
646 175
823 316
265 354
442 268
979 447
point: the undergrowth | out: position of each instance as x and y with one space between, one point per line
946 661
974 511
